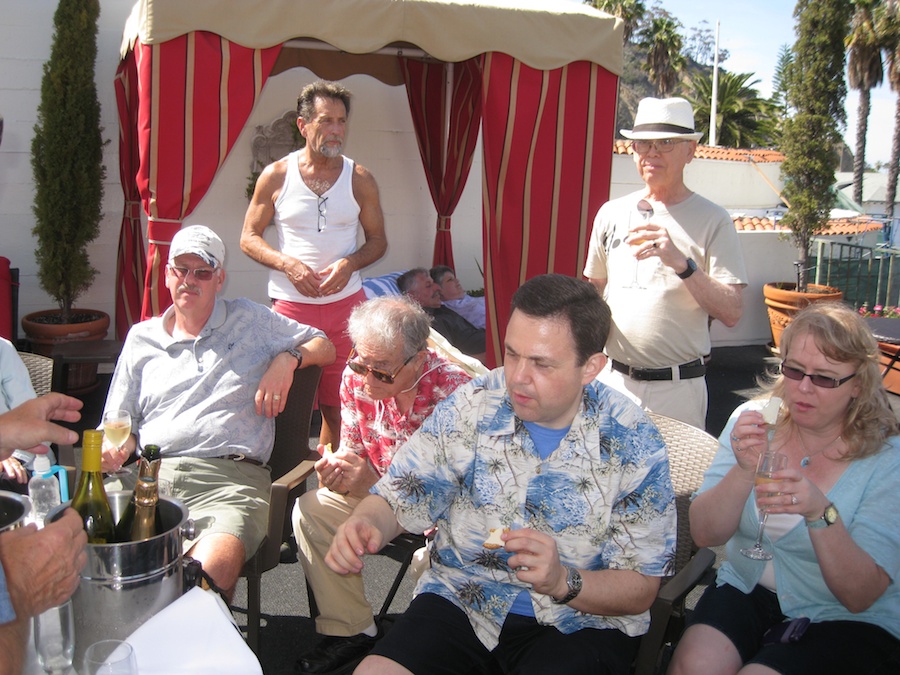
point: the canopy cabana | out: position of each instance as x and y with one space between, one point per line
538 77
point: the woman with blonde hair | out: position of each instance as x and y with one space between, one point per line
828 601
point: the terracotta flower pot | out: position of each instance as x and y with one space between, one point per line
45 330
783 302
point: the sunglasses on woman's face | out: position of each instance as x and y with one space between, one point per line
381 375
819 380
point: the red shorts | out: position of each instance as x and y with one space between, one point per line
332 320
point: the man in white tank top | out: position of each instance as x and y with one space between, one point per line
317 200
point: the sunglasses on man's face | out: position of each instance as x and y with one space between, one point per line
819 380
381 375
200 274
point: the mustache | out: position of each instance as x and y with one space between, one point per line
187 287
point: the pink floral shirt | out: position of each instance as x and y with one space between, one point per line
376 429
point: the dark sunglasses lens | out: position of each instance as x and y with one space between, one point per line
203 275
387 378
822 381
791 373
358 368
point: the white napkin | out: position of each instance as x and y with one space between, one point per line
195 635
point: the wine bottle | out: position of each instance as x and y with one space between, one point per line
90 499
148 471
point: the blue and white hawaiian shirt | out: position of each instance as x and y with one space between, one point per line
604 495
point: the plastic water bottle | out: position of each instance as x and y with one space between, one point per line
43 488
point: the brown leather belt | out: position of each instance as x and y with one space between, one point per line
686 371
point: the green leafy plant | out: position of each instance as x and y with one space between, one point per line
67 156
815 93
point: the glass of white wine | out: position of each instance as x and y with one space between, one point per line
645 209
768 465
117 428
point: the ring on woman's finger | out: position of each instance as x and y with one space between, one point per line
276 397
735 439
794 499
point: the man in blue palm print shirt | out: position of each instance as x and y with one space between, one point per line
574 469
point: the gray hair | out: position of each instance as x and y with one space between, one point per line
384 322
306 101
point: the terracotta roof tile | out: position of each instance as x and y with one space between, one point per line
759 155
837 226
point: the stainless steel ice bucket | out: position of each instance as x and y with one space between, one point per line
13 510
123 585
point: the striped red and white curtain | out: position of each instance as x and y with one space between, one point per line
196 94
130 262
446 132
547 137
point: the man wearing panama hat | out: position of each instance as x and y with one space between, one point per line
667 261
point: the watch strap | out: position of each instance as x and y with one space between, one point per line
829 517
691 268
574 583
297 354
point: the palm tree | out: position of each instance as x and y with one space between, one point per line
888 26
743 118
664 62
780 91
864 73
630 11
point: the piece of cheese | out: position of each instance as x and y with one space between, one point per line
771 409
327 449
494 541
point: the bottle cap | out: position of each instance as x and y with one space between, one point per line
41 466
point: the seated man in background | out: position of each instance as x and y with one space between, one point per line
391 384
571 472
39 569
204 382
418 284
470 308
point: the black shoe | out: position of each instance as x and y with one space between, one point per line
333 654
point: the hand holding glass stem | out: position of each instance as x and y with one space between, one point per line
769 463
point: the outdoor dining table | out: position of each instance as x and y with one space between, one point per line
195 635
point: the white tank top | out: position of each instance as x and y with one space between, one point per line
317 240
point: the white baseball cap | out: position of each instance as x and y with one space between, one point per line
200 241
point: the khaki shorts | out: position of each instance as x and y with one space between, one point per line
222 496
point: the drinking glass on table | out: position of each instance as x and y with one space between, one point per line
54 638
117 428
110 657
768 464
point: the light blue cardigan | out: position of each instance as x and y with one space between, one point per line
867 496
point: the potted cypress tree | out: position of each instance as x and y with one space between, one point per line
815 93
67 163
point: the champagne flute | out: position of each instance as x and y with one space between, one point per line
110 657
645 208
117 427
768 464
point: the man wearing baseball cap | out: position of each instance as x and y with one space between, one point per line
204 382
667 261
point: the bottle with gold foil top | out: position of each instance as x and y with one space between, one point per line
90 499
147 483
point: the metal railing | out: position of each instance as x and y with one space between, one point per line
866 275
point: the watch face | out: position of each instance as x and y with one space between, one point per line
831 514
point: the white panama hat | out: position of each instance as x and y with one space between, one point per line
659 118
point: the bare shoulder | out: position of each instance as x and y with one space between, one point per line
363 181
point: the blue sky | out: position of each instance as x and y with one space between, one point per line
753 31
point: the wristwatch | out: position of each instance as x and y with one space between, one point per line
297 355
828 518
573 581
691 268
